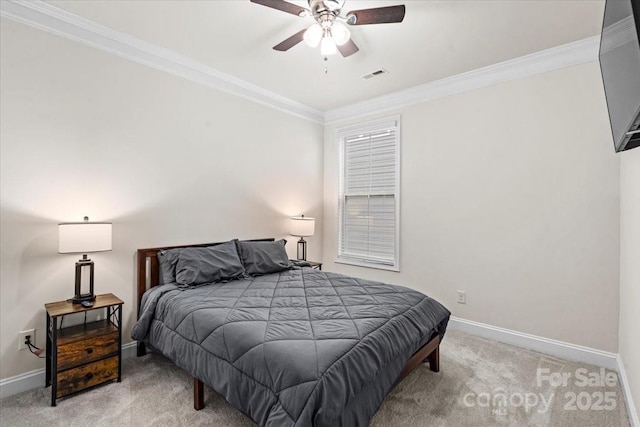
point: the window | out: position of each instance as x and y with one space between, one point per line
368 209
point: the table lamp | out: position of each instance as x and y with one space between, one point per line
83 238
302 226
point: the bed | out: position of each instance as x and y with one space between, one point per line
295 347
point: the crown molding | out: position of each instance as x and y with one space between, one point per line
41 15
57 21
556 58
618 34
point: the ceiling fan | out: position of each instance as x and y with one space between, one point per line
329 30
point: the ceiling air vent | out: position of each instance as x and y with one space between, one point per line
375 74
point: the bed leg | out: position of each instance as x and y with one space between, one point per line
141 350
198 394
434 360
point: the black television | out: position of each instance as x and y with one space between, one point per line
620 67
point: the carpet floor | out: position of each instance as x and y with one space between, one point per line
480 383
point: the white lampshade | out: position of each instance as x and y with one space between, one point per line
328 46
340 33
313 35
302 226
84 237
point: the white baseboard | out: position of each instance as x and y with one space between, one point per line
626 389
548 346
556 348
35 379
22 382
129 349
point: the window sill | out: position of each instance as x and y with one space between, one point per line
367 265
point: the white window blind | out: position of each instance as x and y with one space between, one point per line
369 194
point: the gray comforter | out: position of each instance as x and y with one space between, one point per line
297 348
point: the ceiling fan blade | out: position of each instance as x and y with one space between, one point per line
291 41
348 49
283 6
379 15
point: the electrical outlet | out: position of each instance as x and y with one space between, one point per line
462 297
22 338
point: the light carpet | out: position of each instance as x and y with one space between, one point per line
480 383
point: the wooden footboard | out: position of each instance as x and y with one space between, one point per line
430 352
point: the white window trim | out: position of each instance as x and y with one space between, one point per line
371 126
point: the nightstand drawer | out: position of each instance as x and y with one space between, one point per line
95 373
88 350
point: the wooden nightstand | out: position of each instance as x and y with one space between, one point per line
313 264
83 356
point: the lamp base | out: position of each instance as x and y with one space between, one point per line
302 250
78 299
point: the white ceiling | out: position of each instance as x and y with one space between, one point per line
437 39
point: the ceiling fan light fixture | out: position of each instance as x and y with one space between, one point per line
340 33
313 35
328 46
329 31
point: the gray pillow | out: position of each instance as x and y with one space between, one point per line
209 264
263 257
168 260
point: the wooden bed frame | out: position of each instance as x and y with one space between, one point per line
148 275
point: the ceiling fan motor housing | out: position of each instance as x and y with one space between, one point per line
325 9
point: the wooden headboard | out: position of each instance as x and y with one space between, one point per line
148 267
